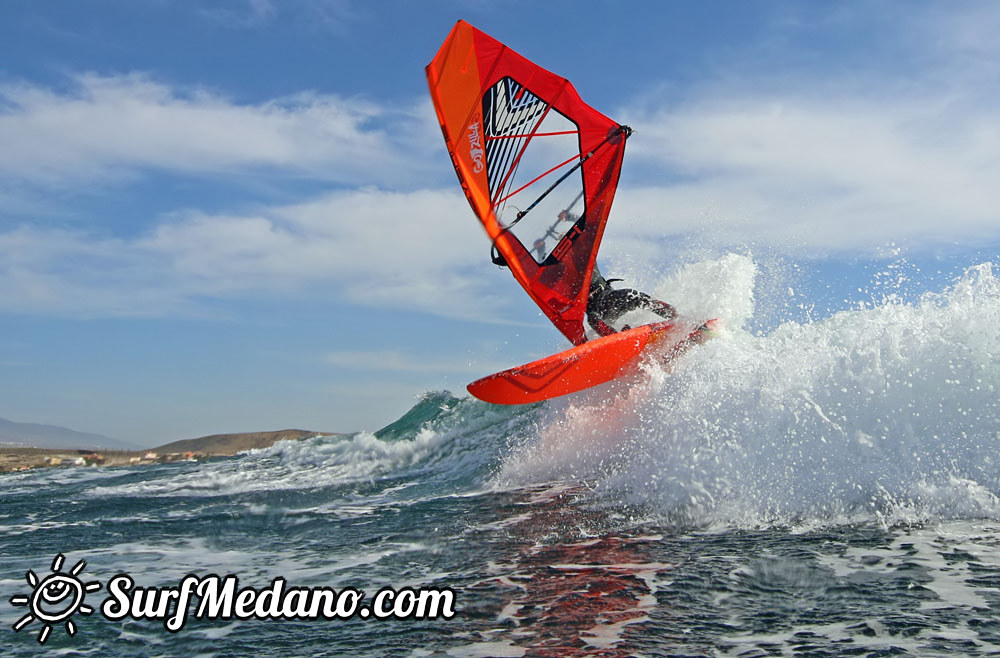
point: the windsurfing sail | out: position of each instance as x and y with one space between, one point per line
538 165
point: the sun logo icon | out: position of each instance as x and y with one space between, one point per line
55 598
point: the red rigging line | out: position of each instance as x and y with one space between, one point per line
537 178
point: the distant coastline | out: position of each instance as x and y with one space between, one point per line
20 458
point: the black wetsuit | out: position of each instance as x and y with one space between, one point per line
606 304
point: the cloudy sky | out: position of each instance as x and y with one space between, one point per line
239 215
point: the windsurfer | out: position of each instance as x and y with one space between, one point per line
606 304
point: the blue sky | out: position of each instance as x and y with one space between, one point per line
239 215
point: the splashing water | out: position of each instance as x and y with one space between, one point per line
888 412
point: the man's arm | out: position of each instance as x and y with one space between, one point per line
601 327
663 309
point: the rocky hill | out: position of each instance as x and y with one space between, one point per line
34 435
230 444
20 457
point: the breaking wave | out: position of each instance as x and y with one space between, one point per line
888 412
885 413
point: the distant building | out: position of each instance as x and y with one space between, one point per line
93 459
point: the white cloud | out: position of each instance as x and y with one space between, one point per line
410 250
967 36
246 14
68 272
419 251
846 175
416 367
398 362
813 163
334 16
834 172
114 125
371 247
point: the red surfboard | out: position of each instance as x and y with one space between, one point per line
583 366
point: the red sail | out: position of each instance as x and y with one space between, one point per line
538 165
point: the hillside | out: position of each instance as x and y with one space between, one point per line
230 444
19 457
35 435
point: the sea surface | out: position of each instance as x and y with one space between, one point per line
822 487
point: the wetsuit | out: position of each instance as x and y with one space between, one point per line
606 304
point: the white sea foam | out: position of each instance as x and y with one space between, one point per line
451 445
951 559
27 482
504 649
167 562
320 462
888 412
953 555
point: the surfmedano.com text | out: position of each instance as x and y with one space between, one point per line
222 598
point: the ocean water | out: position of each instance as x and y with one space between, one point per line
821 487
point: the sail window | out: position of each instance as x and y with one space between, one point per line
529 146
